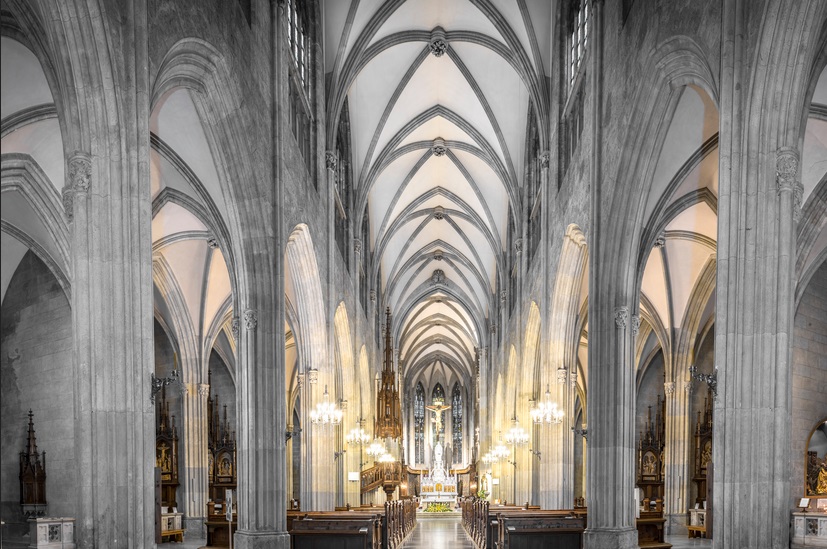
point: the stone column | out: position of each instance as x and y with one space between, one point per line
610 470
676 455
194 480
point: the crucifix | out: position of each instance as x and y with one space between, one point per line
437 408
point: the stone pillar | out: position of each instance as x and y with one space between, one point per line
262 421
611 406
676 455
106 202
194 481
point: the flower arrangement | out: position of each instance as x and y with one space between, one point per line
482 494
438 508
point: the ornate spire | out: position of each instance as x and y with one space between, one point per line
388 409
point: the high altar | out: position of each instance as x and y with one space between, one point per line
438 486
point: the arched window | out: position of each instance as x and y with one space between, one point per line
578 22
298 23
419 424
456 406
297 15
438 399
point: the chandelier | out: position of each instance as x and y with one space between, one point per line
376 449
516 435
386 458
500 451
490 458
326 412
357 436
547 411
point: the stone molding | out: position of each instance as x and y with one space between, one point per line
312 376
502 296
212 243
439 148
78 180
688 387
331 161
438 277
544 157
250 319
621 316
204 389
635 324
562 373
438 44
573 379
357 246
660 241
518 246
669 388
786 177
234 327
372 296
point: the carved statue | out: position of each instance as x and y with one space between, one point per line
821 487
649 464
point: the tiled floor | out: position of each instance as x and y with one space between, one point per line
683 542
438 533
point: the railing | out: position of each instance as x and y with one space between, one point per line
379 475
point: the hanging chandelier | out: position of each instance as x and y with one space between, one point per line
357 436
386 458
326 412
547 411
516 435
490 458
500 451
376 449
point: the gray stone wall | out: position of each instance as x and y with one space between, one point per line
36 374
809 403
647 394
223 386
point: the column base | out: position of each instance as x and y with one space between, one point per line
610 538
194 527
261 540
676 524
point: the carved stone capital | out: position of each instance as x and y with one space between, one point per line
798 199
562 374
299 381
669 388
250 319
439 213
331 160
204 389
212 243
357 246
635 324
543 158
234 327
518 246
372 295
660 241
439 148
573 379
621 316
80 172
688 386
786 168
438 44
503 295
313 376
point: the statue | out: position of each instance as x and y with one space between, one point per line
821 487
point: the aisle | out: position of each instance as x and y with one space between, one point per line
439 533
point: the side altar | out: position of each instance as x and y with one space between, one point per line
438 486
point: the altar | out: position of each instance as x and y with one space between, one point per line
438 486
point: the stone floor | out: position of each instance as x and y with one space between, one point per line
447 532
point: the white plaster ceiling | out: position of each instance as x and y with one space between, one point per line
22 82
401 99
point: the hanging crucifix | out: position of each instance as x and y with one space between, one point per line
437 408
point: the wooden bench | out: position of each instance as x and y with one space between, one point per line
650 530
532 529
696 531
173 535
337 530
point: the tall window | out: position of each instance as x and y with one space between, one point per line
456 407
419 424
579 21
438 397
298 23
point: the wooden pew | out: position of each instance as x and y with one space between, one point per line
650 530
337 530
531 529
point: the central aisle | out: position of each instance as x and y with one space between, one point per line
438 533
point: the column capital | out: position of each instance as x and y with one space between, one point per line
621 316
250 319
204 389
669 388
331 160
78 180
786 168
635 324
543 158
234 327
357 246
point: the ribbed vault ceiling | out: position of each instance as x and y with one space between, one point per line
438 96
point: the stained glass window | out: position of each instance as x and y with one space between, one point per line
419 424
456 407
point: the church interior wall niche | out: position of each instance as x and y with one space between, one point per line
36 372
